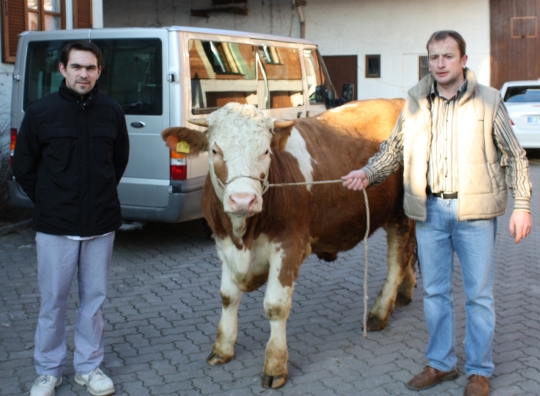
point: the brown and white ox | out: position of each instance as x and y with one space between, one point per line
264 236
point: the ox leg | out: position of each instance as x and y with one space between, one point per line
405 291
223 350
277 305
400 278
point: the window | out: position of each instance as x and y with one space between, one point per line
132 73
270 55
281 74
373 66
264 76
21 15
423 67
320 88
221 72
44 15
522 94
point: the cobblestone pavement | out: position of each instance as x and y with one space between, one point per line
163 308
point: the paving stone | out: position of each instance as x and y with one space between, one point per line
163 309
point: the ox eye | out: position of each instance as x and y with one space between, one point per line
266 152
214 151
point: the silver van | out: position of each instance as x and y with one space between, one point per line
162 77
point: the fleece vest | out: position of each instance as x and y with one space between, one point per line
482 192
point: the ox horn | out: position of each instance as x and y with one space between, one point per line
199 122
282 124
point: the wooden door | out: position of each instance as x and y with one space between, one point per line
515 40
343 70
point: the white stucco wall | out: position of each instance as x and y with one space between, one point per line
396 29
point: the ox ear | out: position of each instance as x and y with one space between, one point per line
282 131
184 140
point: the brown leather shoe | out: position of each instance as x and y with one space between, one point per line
430 377
477 386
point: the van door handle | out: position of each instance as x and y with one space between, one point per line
299 114
138 124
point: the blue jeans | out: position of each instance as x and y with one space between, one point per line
473 241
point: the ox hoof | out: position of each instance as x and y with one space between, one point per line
375 324
215 358
274 382
401 301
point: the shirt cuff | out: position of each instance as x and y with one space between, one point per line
370 173
522 204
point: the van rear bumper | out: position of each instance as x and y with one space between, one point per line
180 207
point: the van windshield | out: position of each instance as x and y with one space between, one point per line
131 74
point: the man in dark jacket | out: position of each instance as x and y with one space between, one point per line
72 150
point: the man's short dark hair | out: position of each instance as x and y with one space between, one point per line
81 45
444 34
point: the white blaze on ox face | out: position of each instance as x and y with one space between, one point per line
239 151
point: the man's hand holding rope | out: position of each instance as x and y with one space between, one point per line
355 180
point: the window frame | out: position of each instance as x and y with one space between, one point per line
42 14
423 70
368 58
15 14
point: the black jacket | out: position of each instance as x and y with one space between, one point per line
70 155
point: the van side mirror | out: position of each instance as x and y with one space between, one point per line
348 93
319 93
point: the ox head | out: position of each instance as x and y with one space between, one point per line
239 141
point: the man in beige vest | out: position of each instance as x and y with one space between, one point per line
457 149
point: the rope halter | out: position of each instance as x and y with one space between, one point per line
219 186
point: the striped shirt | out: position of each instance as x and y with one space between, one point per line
442 165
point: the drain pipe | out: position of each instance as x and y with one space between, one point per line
299 4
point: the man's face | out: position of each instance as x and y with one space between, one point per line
445 62
81 71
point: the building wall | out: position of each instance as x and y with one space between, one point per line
396 29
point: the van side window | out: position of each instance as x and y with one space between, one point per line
315 77
131 74
221 72
320 87
281 74
42 74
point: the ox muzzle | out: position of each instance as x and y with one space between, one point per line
242 195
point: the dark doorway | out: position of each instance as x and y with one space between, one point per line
343 70
515 40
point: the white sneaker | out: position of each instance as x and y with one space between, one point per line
44 385
97 383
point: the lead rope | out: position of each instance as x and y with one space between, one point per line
266 185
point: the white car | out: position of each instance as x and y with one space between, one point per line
522 100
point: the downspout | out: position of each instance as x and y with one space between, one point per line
299 4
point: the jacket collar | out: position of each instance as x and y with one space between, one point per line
423 89
73 96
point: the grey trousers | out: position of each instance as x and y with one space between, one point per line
59 258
